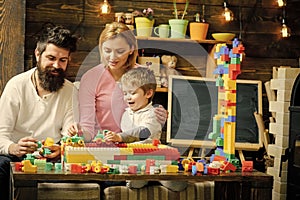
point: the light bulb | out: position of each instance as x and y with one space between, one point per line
105 7
280 3
228 14
285 31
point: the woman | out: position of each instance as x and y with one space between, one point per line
101 101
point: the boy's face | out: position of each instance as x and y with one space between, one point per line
135 97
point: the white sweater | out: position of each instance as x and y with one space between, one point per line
24 113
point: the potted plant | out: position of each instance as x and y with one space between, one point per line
144 22
199 28
179 26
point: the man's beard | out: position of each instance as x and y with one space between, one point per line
48 81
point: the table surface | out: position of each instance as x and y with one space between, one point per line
237 176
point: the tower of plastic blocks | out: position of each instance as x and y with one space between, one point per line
224 122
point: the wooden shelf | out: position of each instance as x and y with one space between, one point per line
161 89
181 40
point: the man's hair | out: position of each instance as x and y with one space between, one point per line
59 36
141 77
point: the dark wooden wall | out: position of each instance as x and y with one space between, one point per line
12 34
257 23
260 31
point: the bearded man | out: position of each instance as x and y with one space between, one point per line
38 103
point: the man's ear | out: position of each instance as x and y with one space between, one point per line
37 55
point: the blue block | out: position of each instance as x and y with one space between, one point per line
235 42
231 119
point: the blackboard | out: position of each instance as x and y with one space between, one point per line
193 102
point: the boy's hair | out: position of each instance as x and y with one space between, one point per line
59 36
140 77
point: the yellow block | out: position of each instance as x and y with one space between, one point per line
229 137
126 151
82 158
48 142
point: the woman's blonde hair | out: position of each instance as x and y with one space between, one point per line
117 29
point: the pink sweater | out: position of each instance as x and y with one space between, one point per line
101 102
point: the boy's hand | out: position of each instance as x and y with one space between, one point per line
112 137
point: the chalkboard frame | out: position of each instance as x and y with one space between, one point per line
204 143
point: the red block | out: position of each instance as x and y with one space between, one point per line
247 166
132 169
18 166
213 171
228 166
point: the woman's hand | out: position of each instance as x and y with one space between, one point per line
73 129
161 114
24 146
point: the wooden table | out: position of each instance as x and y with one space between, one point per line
236 185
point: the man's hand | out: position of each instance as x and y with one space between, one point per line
55 151
24 146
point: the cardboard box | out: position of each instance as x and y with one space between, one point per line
152 62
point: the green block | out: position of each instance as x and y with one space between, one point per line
48 166
235 61
138 157
230 156
235 162
58 166
113 161
213 136
217 152
219 142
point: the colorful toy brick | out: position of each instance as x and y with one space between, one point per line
227 166
228 68
27 167
247 166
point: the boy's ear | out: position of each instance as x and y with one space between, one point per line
149 93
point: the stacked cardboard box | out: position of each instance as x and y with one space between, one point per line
282 83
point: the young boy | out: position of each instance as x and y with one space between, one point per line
139 122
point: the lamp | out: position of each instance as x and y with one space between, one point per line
281 3
285 30
105 7
227 13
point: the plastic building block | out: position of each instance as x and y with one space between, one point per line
149 162
228 166
58 167
194 169
48 166
169 168
48 142
247 166
40 163
213 171
132 169
28 167
18 166
30 157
